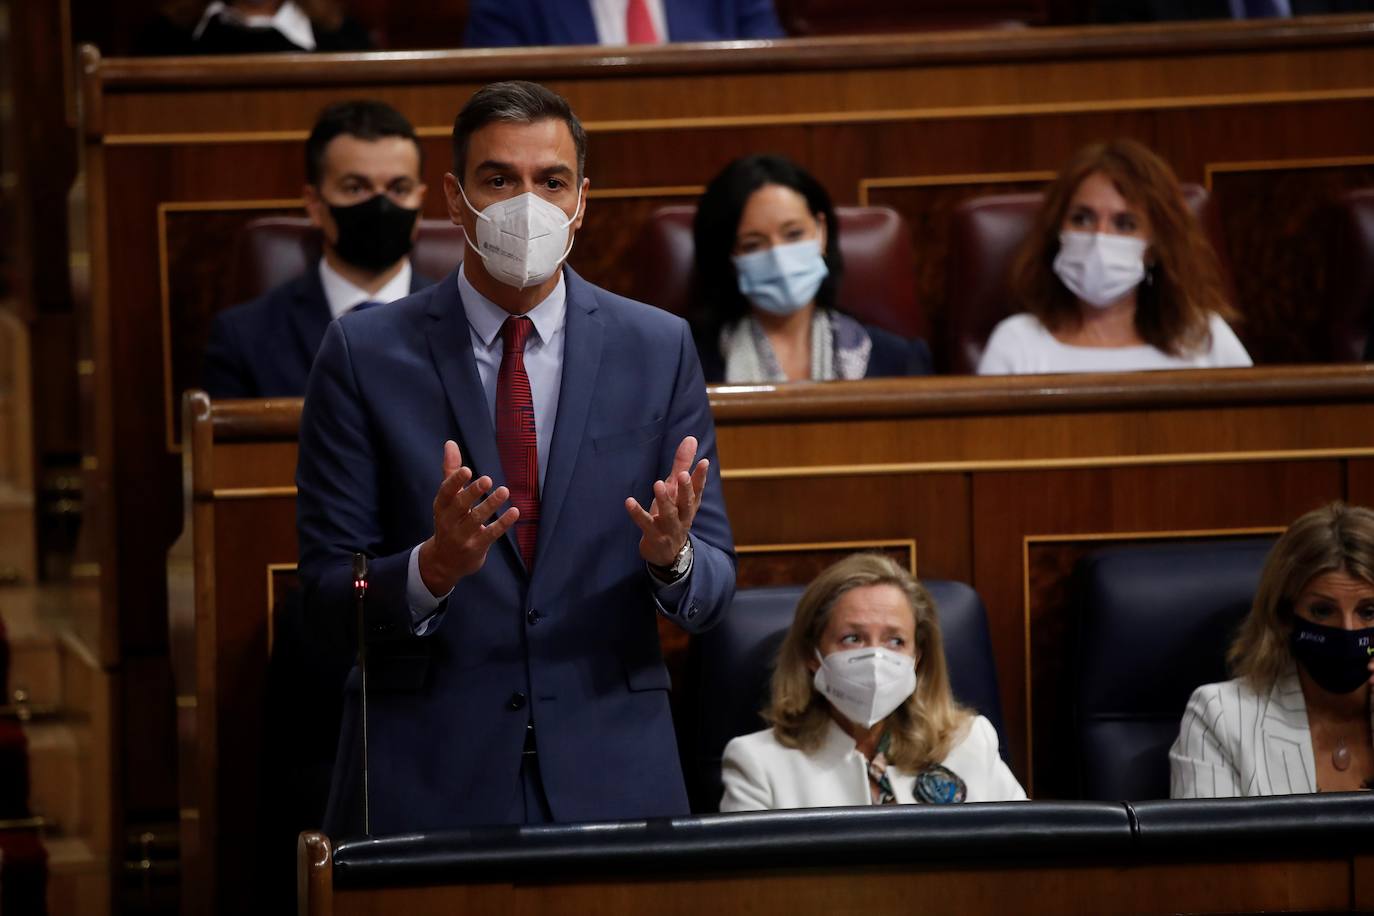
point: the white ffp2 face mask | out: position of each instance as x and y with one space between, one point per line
523 240
865 684
1099 267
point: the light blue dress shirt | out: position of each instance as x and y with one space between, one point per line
544 366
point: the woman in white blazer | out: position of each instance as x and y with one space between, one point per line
1297 716
861 709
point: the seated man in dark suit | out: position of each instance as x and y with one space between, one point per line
513 23
363 191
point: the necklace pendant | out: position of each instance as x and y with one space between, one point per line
1340 757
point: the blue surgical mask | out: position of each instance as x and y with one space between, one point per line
783 279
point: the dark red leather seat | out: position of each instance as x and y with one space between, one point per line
984 237
1350 280
274 249
879 285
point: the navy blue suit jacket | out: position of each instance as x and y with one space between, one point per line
263 348
575 643
514 23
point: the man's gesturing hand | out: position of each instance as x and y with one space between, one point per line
676 499
462 536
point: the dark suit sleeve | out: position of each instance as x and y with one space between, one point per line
893 355
503 24
758 19
338 507
711 585
225 371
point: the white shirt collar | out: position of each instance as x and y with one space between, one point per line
486 317
342 295
289 19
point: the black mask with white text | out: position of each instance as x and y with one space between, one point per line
374 234
1336 658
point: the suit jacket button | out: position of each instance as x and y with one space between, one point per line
516 701
531 616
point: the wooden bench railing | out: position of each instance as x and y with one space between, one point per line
1002 483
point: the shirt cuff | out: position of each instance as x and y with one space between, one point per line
422 603
670 596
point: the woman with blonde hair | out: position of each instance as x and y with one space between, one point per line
1297 716
1115 275
861 708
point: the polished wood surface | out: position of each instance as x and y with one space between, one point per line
1001 483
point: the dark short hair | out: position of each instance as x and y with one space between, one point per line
519 102
366 119
716 299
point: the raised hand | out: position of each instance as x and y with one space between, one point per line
676 498
462 535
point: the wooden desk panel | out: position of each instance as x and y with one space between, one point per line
1002 483
1228 887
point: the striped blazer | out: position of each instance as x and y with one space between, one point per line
1235 742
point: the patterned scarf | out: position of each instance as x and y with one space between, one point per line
840 348
879 786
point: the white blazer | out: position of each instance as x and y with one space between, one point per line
1234 742
759 773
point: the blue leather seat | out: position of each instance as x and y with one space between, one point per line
1154 623
729 668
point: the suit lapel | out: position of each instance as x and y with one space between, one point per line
584 334
450 345
310 315
682 19
1287 740
577 23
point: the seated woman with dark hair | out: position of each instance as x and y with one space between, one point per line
861 706
768 268
1116 275
1297 717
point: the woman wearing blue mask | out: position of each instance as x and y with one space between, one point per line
1115 275
768 268
861 708
1297 717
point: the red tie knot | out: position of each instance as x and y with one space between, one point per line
515 332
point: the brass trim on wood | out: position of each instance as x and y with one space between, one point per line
954 467
830 118
252 493
272 600
678 190
935 181
1095 537
908 543
1274 165
1042 464
24 823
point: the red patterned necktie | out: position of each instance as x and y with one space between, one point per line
639 27
516 442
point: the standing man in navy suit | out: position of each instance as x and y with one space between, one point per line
363 192
530 463
513 23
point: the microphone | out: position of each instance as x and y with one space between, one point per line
360 596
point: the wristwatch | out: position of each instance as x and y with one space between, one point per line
677 569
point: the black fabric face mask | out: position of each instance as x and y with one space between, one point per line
1337 659
374 234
